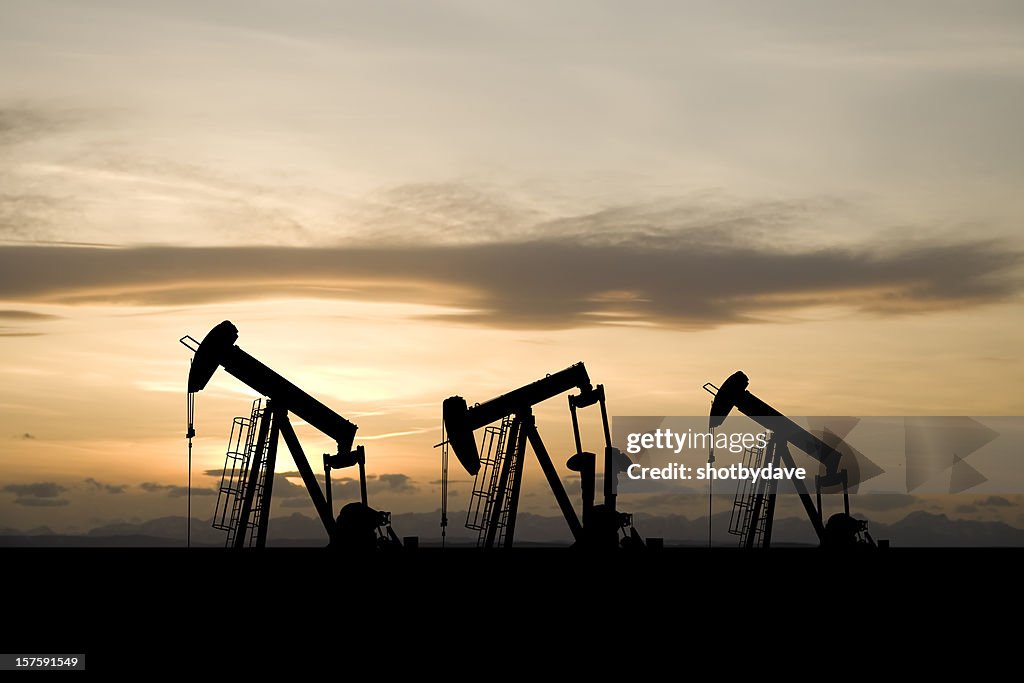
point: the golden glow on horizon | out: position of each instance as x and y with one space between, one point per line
102 392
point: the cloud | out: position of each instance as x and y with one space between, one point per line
28 124
43 489
994 501
344 489
174 491
966 509
106 488
37 494
392 435
26 315
294 474
670 501
18 316
882 502
26 215
635 278
397 483
42 502
285 489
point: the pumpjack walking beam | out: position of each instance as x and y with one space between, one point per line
218 350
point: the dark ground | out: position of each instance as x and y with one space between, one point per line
174 609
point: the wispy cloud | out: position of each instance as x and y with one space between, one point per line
20 124
175 491
42 502
26 315
995 501
392 435
43 489
16 316
397 483
38 494
342 487
104 487
552 283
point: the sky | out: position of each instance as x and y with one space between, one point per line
396 202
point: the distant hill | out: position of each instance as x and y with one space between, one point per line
917 529
927 529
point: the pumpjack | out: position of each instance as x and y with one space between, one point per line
757 508
498 471
247 483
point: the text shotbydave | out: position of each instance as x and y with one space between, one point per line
666 439
708 471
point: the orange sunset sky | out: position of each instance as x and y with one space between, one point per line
396 202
